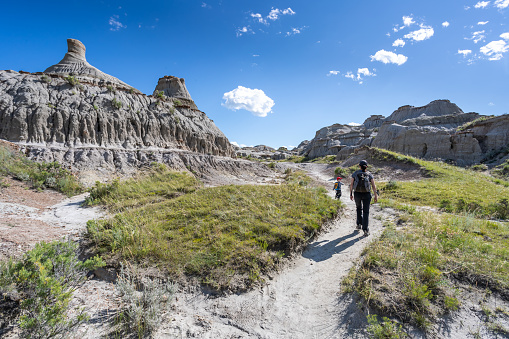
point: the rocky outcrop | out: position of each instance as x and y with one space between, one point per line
75 63
94 111
429 132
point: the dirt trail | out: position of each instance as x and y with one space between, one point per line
302 301
28 217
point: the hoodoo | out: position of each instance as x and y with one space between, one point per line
75 63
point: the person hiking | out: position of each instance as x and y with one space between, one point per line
337 187
360 189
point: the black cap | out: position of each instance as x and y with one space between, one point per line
363 163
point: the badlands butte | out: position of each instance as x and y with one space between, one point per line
269 260
75 114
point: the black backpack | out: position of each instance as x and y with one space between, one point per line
362 184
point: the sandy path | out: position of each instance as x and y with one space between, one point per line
28 217
303 301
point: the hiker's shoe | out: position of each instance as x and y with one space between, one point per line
366 233
358 227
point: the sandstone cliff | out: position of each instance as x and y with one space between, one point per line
75 113
430 132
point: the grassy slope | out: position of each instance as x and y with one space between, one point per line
411 272
449 187
38 175
226 236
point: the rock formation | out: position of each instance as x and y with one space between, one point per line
429 132
92 118
75 63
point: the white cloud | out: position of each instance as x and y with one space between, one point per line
399 43
258 17
424 33
495 49
115 24
353 124
445 24
205 5
276 12
350 75
332 73
244 30
477 36
505 36
408 20
502 3
364 72
491 104
481 23
389 57
294 31
239 145
482 4
252 100
465 52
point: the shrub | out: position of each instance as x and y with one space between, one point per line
110 89
72 80
116 103
143 303
340 171
159 94
45 78
272 165
387 329
177 102
391 185
479 167
46 278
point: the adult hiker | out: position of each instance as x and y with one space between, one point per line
337 187
360 190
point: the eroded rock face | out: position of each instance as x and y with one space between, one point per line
428 132
43 111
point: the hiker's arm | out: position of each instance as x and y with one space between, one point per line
374 189
351 188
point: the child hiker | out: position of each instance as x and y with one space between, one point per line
337 187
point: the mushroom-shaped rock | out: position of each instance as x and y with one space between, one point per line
172 87
75 63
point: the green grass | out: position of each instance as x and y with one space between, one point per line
38 175
408 273
226 237
451 188
470 124
157 185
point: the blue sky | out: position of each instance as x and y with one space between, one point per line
274 72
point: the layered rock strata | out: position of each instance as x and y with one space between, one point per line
90 117
429 132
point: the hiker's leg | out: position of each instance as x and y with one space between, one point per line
358 204
366 200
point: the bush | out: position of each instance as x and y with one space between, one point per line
177 102
479 167
116 103
159 94
143 303
72 81
45 279
342 172
387 329
391 185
